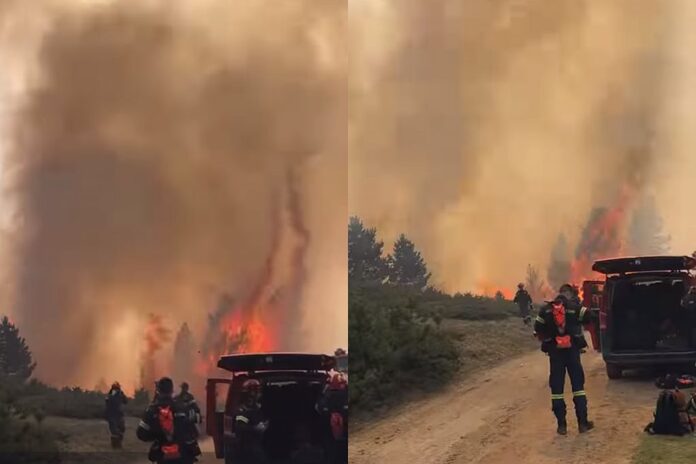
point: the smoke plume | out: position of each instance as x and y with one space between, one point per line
487 128
147 149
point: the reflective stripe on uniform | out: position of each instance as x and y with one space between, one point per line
582 312
540 320
579 393
242 418
558 396
143 425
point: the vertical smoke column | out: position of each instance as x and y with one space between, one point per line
144 161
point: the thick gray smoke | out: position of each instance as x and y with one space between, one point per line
145 162
487 128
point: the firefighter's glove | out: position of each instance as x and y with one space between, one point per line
261 426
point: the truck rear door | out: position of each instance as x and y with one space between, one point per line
592 297
216 396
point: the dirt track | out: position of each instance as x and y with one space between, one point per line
504 415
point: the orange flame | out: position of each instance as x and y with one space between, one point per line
603 238
489 289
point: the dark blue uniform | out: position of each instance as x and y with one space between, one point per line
564 360
115 400
150 430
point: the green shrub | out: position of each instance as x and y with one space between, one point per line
396 346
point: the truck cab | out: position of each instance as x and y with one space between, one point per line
291 383
642 321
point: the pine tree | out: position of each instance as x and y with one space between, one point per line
535 285
645 233
15 357
183 354
559 270
406 265
365 261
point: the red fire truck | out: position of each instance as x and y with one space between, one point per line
291 386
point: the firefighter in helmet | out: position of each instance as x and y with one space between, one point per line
187 402
333 406
115 400
249 426
524 302
166 425
559 328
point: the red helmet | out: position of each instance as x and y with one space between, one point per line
251 385
338 382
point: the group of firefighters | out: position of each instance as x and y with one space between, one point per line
558 326
171 422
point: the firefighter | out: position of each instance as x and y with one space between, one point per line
558 327
187 402
333 405
524 302
249 426
167 426
115 400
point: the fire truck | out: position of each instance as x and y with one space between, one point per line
641 318
291 386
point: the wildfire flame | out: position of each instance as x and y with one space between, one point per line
489 289
260 321
602 238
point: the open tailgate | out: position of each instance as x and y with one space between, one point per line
644 264
276 362
592 296
214 413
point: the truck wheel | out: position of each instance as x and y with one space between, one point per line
614 371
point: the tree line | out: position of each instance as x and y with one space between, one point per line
404 266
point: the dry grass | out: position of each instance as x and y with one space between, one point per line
486 343
665 450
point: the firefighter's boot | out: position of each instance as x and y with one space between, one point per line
562 428
585 426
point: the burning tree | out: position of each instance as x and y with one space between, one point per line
535 285
267 317
601 238
156 335
559 270
183 354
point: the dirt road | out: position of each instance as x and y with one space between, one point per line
504 415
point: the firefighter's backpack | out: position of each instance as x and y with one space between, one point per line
169 448
666 420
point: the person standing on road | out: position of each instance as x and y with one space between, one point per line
524 302
558 327
115 400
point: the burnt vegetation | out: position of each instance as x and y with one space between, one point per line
406 336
